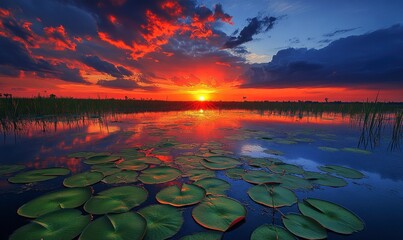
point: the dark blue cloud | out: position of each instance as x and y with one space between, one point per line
255 26
106 67
371 60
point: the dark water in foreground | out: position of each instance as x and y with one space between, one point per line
377 198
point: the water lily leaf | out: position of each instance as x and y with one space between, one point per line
210 235
303 226
7 169
149 160
106 169
235 173
331 216
101 159
121 177
325 179
198 174
159 175
213 186
259 177
218 213
272 196
129 225
259 162
163 221
286 168
294 182
188 194
219 162
328 149
87 154
64 224
83 179
38 175
271 232
116 200
342 171
134 165
356 150
66 198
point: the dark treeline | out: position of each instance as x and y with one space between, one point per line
20 108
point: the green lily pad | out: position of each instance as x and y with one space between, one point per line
356 150
189 194
64 224
213 186
87 154
331 216
83 179
328 149
134 165
121 177
116 200
210 235
129 225
219 162
7 169
259 177
38 175
66 198
106 169
259 162
163 221
342 171
286 168
303 226
219 213
159 175
272 196
271 232
235 173
325 179
149 160
101 159
198 174
294 182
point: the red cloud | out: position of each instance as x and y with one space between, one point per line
58 37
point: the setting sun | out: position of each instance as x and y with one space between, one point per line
202 98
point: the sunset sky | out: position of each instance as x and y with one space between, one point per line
222 50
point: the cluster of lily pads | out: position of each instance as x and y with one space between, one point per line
109 214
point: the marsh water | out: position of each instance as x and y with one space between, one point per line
305 141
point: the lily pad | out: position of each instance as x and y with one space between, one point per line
272 196
39 175
159 175
219 213
286 168
259 177
83 179
116 200
210 235
7 169
271 232
189 194
101 159
87 154
121 177
235 173
342 171
64 224
219 162
66 198
149 160
213 186
328 149
325 179
198 174
356 150
163 221
134 165
106 169
259 162
331 216
129 225
294 182
303 226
